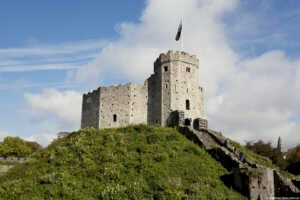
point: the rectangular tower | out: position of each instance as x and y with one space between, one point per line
175 88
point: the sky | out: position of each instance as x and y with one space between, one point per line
51 52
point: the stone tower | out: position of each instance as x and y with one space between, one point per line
174 87
279 144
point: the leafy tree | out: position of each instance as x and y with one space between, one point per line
15 146
260 147
265 149
293 159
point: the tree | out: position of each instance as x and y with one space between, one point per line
265 149
293 159
15 146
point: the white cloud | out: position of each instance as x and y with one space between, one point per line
261 101
43 139
4 134
132 56
246 98
54 110
51 49
28 67
61 56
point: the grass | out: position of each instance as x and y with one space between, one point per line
135 162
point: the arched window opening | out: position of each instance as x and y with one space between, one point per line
115 118
187 104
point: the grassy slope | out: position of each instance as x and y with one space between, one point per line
136 162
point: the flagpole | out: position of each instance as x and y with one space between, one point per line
181 41
182 36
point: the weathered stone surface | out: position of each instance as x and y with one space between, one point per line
284 186
249 178
172 87
200 124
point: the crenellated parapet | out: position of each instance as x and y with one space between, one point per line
176 56
92 93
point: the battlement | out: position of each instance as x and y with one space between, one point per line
127 86
92 93
177 56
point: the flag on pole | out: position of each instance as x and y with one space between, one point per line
179 31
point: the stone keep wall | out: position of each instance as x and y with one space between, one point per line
91 109
154 98
115 101
177 75
139 101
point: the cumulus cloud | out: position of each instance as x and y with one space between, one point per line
54 111
246 98
261 100
4 134
132 56
43 139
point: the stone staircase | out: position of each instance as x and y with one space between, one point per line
251 179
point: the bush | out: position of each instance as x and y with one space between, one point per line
265 149
293 159
15 146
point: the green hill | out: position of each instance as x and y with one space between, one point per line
135 162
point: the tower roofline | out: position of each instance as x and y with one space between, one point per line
177 56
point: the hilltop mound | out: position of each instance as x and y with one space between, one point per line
135 162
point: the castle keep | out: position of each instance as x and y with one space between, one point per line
170 96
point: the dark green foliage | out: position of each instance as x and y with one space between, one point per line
293 159
262 160
265 149
15 146
135 162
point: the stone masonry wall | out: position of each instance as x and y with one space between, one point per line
154 99
115 100
177 73
139 101
166 71
91 109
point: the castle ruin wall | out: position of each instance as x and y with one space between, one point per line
115 106
139 101
91 109
154 99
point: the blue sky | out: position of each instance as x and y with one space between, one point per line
51 52
48 24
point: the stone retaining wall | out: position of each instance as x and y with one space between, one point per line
13 159
249 178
